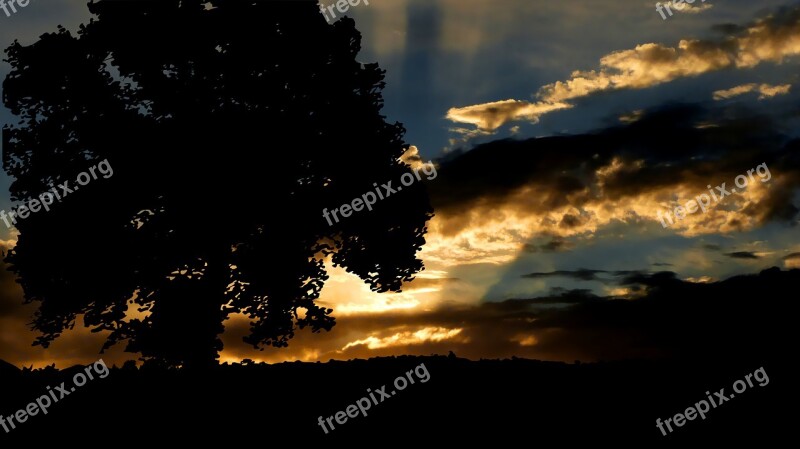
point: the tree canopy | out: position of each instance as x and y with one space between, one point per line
230 126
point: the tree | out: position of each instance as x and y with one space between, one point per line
230 126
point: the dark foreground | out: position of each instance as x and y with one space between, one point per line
493 402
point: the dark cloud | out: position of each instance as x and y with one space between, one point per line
728 28
580 274
561 296
744 314
555 245
712 247
668 148
650 279
792 256
743 255
419 283
623 276
571 221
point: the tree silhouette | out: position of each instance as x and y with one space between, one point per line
229 126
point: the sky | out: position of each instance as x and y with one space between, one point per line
563 133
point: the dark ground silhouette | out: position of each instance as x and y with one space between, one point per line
495 401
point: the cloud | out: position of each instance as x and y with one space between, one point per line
792 260
420 283
773 38
413 159
554 245
619 277
700 280
644 66
734 91
765 91
768 91
697 8
743 255
631 117
508 196
717 313
427 334
464 135
490 116
582 274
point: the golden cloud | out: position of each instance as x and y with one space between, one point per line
772 39
692 9
765 91
424 335
490 116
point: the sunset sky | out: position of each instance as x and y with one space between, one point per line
560 130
